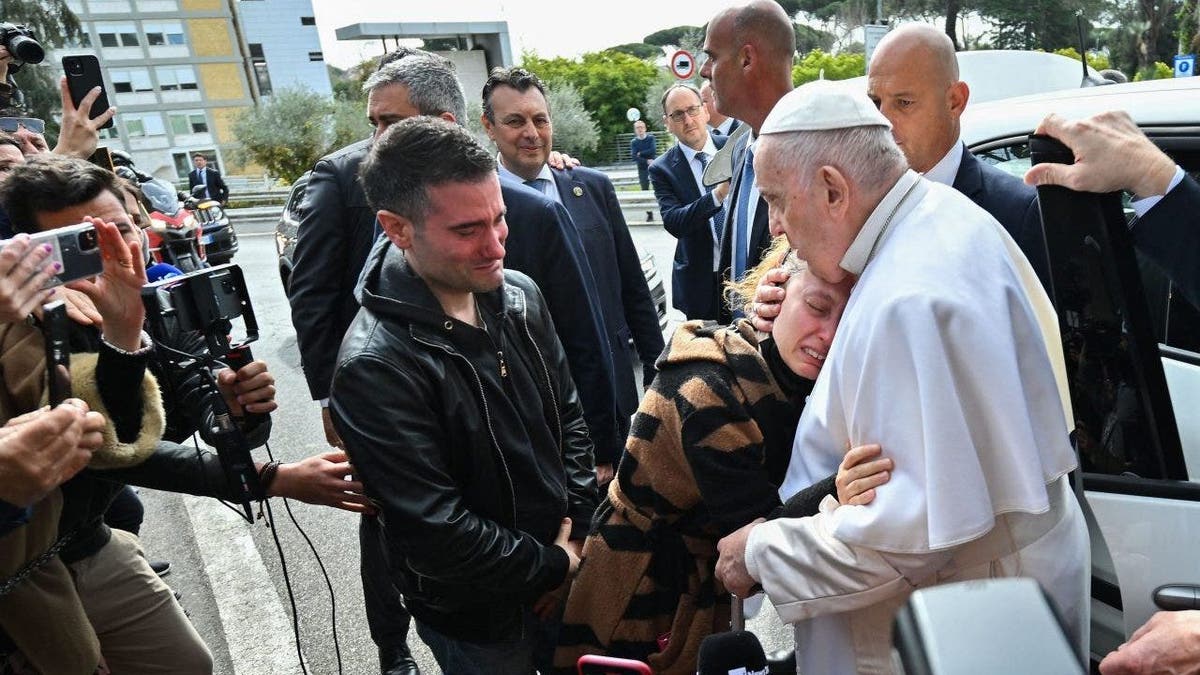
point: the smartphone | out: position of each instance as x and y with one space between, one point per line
83 74
75 247
592 664
58 352
102 158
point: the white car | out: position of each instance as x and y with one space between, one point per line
1134 366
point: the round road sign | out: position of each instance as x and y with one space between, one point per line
633 114
683 64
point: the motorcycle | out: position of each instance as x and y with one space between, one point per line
174 234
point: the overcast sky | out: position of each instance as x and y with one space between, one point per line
564 28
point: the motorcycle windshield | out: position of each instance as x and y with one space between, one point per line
162 196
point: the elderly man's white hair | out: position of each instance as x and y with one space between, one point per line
867 156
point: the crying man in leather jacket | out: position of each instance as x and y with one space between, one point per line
455 402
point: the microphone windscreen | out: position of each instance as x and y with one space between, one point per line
737 652
161 271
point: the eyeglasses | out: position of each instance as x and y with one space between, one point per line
690 111
13 124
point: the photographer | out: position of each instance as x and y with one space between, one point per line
40 613
112 578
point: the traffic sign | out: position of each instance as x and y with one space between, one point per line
683 64
633 114
1185 65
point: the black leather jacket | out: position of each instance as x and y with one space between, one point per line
472 443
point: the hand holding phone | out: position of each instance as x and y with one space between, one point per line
83 76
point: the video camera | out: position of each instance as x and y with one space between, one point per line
198 309
20 41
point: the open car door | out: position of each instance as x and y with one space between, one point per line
1136 400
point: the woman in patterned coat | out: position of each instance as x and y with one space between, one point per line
709 446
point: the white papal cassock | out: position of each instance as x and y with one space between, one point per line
948 355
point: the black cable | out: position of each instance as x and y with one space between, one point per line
337 647
287 582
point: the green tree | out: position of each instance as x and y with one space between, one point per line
834 66
1140 33
1188 18
639 50
673 36
54 25
609 83
809 38
294 128
1097 60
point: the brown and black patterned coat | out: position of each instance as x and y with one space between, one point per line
709 446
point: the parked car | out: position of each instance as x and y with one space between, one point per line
1134 364
289 223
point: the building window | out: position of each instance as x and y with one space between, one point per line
149 124
188 122
176 78
308 21
82 40
316 56
117 35
169 33
110 132
259 62
131 80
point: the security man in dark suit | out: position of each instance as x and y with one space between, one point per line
517 119
914 81
692 213
336 234
719 126
749 49
214 185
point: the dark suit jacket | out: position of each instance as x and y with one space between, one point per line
337 227
759 235
732 128
625 303
544 245
686 214
1169 234
216 184
1010 201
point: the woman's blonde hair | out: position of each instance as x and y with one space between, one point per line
740 293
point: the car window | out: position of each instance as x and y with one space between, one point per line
1175 320
1111 346
295 201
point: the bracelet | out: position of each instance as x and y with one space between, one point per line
143 349
266 475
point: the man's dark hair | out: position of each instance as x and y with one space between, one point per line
8 139
680 85
201 155
416 154
49 182
517 78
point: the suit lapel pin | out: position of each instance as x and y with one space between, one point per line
578 191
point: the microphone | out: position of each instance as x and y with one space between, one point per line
159 271
736 652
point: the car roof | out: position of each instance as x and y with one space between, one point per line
1156 103
988 73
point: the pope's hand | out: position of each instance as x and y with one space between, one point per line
1169 644
768 299
731 565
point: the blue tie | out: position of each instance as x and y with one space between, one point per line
717 222
741 225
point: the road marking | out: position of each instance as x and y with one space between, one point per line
258 630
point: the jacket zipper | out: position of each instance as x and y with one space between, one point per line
487 416
546 374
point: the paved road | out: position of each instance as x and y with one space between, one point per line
229 571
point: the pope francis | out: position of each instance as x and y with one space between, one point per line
948 355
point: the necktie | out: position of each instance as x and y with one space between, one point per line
718 219
536 184
741 225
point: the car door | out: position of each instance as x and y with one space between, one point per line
1131 343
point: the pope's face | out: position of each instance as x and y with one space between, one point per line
807 320
799 211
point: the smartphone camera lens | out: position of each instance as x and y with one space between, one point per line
87 240
75 67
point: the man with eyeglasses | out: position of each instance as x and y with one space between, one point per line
692 213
